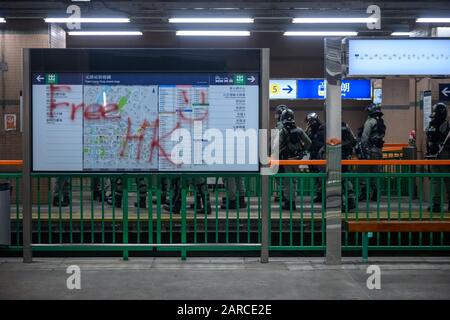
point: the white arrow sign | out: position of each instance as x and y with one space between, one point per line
39 78
445 91
251 79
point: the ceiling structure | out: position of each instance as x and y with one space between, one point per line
269 16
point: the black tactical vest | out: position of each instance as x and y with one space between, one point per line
377 136
317 136
348 142
290 146
436 134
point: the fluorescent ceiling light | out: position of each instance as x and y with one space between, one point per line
105 33
400 33
2 20
212 33
320 33
442 32
87 20
211 20
433 20
334 20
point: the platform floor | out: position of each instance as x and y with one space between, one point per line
225 278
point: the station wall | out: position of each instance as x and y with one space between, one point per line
15 36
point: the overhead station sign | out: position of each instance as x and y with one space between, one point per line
283 89
444 91
398 57
351 89
316 89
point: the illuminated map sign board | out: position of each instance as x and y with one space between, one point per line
398 57
125 120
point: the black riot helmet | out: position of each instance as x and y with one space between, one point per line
312 118
287 118
279 110
374 109
439 112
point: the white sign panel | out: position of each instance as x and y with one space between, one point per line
426 98
283 89
398 57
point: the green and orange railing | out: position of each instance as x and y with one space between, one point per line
90 225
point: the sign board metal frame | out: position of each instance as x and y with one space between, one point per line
221 60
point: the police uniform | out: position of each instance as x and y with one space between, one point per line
234 185
279 126
316 133
436 133
372 139
293 142
61 189
201 189
117 185
348 143
202 195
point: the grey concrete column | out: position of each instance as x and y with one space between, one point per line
26 176
265 197
333 76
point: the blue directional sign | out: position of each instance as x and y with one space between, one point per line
356 89
311 89
283 89
444 91
351 89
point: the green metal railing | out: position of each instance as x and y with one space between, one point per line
90 224
296 215
392 203
296 220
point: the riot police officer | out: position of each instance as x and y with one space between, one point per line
203 202
371 140
279 126
234 185
61 192
438 147
348 143
293 142
278 111
316 132
117 192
